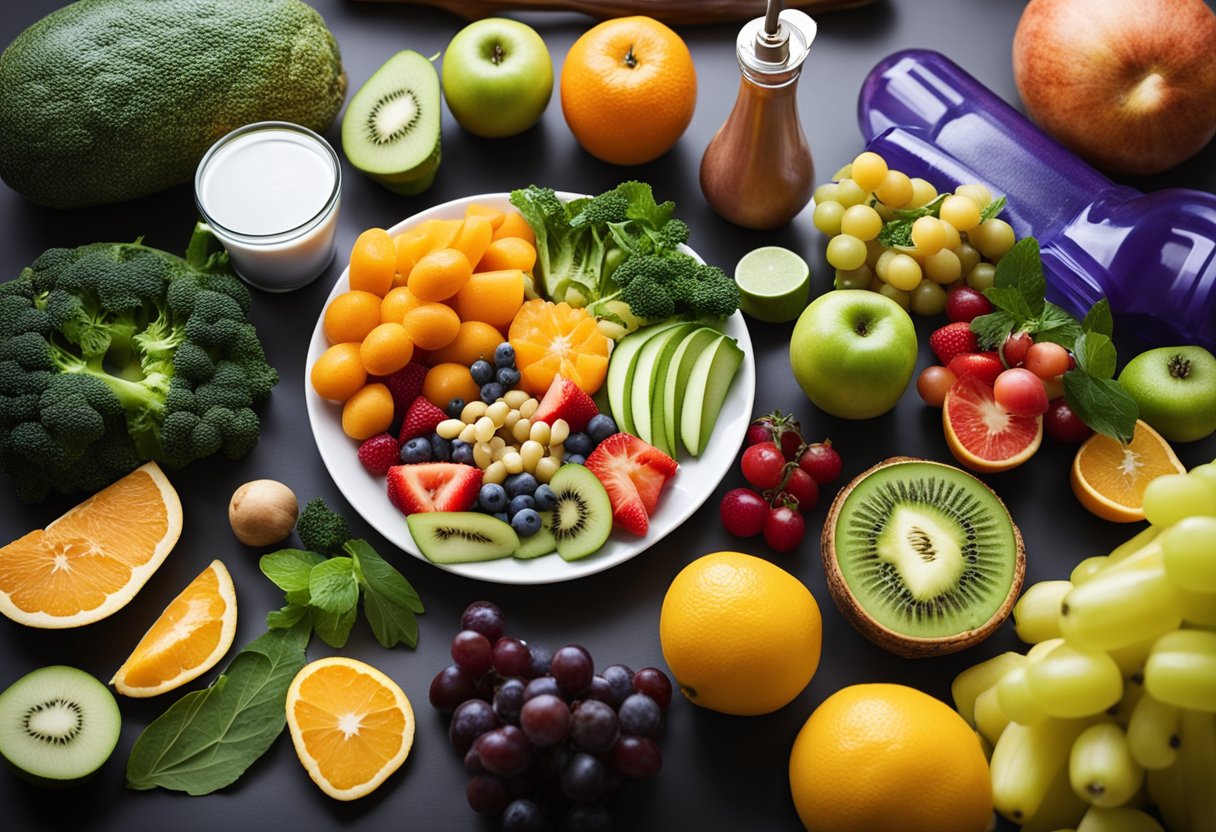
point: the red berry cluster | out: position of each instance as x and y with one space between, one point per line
785 474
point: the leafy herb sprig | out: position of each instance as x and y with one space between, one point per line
898 231
1017 295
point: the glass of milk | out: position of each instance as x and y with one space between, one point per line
270 193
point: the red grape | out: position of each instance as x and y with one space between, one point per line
742 511
620 681
933 383
637 757
655 684
540 686
762 466
640 716
486 794
511 658
470 721
582 778
757 433
1047 360
593 727
1062 424
522 815
821 461
1020 392
472 652
802 488
485 618
450 687
572 669
504 751
966 304
783 528
545 720
1014 350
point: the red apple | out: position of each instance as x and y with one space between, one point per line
1129 85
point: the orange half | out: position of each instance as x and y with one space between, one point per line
190 637
90 562
352 726
1109 477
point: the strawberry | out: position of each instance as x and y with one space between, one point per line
951 340
985 366
379 453
566 400
433 486
633 473
405 385
420 420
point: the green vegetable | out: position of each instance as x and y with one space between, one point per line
114 354
106 100
320 529
208 738
660 286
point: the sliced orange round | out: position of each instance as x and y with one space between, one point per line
555 338
1109 477
190 637
91 561
352 726
981 434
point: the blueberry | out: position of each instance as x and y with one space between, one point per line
462 452
502 515
417 449
601 427
504 355
491 392
492 497
518 484
546 500
481 371
441 449
508 377
455 407
520 503
574 459
526 521
579 443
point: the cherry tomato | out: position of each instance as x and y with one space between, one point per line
1020 392
783 529
801 487
762 465
933 383
1046 360
821 461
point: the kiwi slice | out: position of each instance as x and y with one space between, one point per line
582 518
461 536
391 127
921 557
58 725
541 543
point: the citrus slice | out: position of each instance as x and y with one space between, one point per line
555 338
191 635
981 434
91 561
774 284
1109 477
352 726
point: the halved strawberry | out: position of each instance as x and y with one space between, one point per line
420 420
433 486
566 400
633 473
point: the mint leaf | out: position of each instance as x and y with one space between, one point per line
1022 269
389 602
1101 403
992 329
1056 325
208 738
333 628
1099 319
992 209
289 568
286 617
332 586
896 233
1095 354
1011 299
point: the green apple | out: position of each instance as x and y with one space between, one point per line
853 352
497 77
1176 390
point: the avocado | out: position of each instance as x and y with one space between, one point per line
108 100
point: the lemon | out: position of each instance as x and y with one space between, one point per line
774 284
740 635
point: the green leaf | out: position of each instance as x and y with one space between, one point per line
992 329
1022 269
1099 319
389 601
333 628
1095 354
1101 403
205 253
992 209
208 738
1010 299
896 233
1056 325
286 617
929 209
332 585
289 568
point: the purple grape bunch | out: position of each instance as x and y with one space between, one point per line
547 742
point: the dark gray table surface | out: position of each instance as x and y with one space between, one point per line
720 772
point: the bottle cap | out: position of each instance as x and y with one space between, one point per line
773 47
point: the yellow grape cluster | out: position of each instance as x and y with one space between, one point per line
950 244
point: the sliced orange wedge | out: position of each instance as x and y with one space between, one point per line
555 338
352 726
190 637
1109 477
91 561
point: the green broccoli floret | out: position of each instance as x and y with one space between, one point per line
608 207
657 287
320 529
714 294
115 354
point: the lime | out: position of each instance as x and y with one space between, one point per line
774 284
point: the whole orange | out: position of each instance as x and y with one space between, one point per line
885 757
628 90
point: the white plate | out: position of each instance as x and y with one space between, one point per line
688 489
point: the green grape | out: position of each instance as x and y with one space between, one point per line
980 677
961 213
990 720
1036 615
967 255
1198 608
903 272
1199 767
953 238
861 221
825 193
858 278
846 252
1124 604
1133 691
874 250
1026 760
1134 544
943 267
895 190
1041 650
923 192
876 285
977 193
1205 472
1170 498
928 299
982 276
1153 733
928 235
1131 658
1070 682
1189 549
826 217
1087 568
1121 819
993 238
843 173
1181 670
869 169
901 297
880 267
1061 810
1101 767
1014 696
849 193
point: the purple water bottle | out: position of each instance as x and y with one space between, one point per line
1153 255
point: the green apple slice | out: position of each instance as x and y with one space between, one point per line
652 359
621 368
708 383
676 384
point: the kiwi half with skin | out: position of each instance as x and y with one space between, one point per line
58 725
922 557
391 127
582 518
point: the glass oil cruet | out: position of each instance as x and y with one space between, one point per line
757 170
